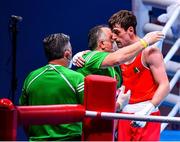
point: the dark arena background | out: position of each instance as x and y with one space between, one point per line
23 52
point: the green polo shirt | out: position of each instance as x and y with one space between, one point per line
53 84
93 61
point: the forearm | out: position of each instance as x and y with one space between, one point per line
123 55
160 94
129 52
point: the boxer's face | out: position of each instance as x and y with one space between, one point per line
121 36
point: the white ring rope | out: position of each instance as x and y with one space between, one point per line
172 51
172 113
162 4
174 79
169 24
110 116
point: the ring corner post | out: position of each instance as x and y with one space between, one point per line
8 121
99 96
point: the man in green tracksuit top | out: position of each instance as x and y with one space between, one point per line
51 84
93 61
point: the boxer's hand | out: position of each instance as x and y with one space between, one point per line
122 98
78 59
146 111
153 37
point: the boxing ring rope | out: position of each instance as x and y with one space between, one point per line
173 112
112 116
172 51
149 27
174 79
168 25
162 4
50 114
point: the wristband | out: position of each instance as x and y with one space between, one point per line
144 43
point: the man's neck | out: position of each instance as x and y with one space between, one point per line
135 39
99 49
61 62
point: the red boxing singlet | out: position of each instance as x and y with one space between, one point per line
139 80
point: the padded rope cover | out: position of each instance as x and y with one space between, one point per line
99 96
50 114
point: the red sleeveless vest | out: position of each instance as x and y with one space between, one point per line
139 80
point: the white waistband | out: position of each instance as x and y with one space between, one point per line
133 108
